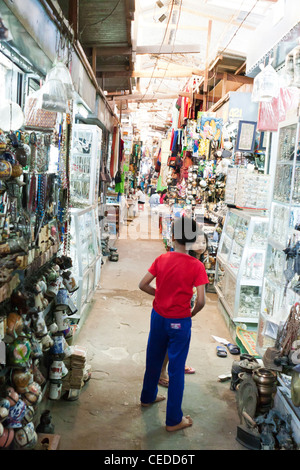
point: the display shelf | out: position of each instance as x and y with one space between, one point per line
240 264
85 164
247 189
278 294
85 251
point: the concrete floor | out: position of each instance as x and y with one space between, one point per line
108 415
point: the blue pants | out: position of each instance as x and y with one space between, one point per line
172 336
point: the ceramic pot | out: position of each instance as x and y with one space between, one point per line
70 282
34 394
40 327
55 390
52 290
42 285
36 349
58 343
19 352
5 170
46 342
61 320
38 376
6 438
16 170
16 414
26 437
55 371
12 396
62 299
21 379
52 276
29 415
4 409
53 328
14 324
72 307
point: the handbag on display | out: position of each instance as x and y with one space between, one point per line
36 117
118 178
104 175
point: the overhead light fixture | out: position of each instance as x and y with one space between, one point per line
162 18
159 4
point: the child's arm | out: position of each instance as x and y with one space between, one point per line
200 301
144 284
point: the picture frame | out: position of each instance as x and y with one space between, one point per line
245 141
263 140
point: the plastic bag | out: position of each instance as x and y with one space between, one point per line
268 116
61 72
266 84
271 113
296 58
53 96
35 116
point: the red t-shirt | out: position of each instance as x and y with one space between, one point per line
176 275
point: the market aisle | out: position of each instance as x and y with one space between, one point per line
107 414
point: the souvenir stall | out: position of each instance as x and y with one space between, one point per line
49 188
196 179
261 253
37 281
85 243
242 249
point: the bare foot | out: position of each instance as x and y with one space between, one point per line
157 399
163 382
185 423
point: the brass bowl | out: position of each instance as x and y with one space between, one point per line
264 376
266 390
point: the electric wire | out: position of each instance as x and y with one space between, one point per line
239 27
106 17
164 37
175 34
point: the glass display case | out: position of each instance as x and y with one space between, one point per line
281 287
247 189
240 264
86 254
85 164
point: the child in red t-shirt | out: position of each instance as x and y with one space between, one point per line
176 274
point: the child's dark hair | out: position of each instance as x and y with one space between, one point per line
184 230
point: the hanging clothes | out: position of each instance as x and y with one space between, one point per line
120 186
121 150
112 158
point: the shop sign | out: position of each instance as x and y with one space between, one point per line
241 107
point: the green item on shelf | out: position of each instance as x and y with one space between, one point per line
160 187
120 187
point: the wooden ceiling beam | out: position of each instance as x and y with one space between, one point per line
108 51
169 49
141 97
74 16
179 73
209 16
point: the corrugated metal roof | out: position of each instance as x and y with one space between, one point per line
106 24
99 26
